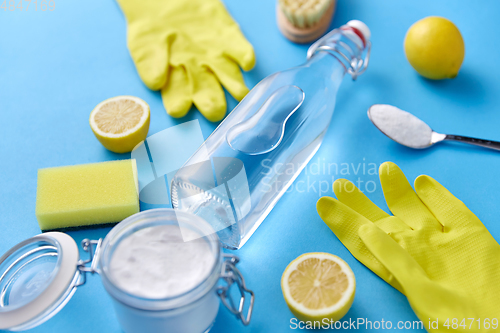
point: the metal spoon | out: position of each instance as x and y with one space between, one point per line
410 131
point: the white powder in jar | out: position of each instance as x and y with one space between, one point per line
156 263
401 126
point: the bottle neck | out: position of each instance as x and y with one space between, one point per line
345 47
326 64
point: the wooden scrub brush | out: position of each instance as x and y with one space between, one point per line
304 21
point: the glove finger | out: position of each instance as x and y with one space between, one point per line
241 52
176 94
392 225
445 206
229 74
344 222
427 298
350 195
208 95
402 199
150 54
392 256
236 46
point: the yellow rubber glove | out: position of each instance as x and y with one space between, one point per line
434 249
184 48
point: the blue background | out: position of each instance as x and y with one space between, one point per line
56 66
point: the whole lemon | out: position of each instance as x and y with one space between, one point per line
435 48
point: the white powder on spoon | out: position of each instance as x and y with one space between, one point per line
401 126
156 263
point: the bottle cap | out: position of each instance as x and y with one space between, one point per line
361 27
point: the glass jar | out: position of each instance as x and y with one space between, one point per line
193 311
47 266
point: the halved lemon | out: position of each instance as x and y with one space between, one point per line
120 123
318 285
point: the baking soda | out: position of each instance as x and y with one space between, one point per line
156 263
401 126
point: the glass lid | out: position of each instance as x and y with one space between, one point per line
37 278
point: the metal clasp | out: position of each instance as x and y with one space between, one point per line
359 66
93 247
230 274
355 66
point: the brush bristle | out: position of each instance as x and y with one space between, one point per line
304 13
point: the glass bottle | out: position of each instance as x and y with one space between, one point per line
237 176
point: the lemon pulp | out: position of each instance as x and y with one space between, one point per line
120 123
318 285
119 116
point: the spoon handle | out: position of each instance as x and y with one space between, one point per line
495 145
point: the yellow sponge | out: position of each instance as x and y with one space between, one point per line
88 194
